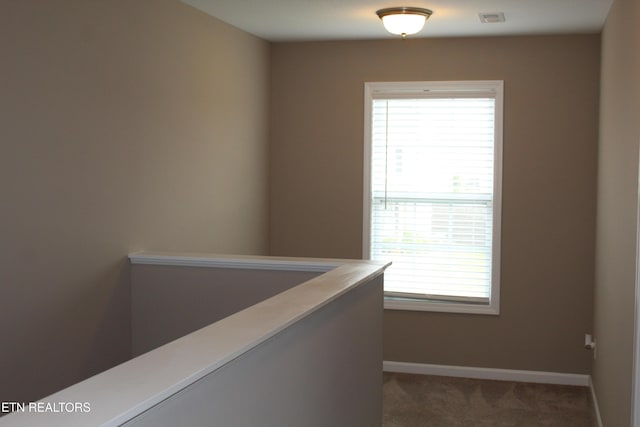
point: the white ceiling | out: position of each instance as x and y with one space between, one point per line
300 20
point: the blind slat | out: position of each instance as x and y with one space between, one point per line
432 194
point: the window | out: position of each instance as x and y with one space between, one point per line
433 163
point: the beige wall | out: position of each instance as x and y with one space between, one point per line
550 147
617 201
323 370
123 126
168 302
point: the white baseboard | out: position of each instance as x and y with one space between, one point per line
595 403
489 374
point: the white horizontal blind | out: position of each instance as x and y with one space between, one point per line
432 181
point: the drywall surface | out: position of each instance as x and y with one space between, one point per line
551 87
617 213
332 326
124 126
169 302
324 370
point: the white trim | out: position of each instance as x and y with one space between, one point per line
127 390
497 197
635 392
245 263
440 306
596 408
452 88
488 373
366 187
373 90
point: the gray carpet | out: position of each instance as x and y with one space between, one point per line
423 400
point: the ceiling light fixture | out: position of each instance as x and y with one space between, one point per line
404 20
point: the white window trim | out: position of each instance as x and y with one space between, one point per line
371 89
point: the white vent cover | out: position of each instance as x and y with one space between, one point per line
491 18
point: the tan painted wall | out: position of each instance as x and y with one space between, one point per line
168 302
550 146
617 204
321 371
123 126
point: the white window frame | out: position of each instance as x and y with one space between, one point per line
374 90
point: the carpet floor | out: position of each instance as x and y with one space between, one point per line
425 401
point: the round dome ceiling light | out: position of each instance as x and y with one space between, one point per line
404 21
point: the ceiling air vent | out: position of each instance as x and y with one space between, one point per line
491 18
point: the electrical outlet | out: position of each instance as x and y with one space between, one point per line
590 344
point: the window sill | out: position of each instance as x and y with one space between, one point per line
440 306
